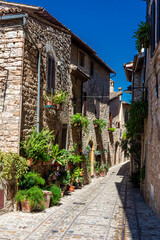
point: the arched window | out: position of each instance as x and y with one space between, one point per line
50 73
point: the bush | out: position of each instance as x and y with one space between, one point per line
13 166
56 195
34 195
64 178
31 179
39 145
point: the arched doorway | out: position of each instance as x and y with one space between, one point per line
91 157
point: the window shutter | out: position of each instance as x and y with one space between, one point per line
152 28
50 73
158 20
84 103
110 119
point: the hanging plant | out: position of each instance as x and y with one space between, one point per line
100 124
59 98
142 36
77 120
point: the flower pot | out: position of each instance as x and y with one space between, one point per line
102 174
47 197
96 125
71 188
29 161
48 104
26 206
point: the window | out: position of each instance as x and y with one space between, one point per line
97 110
81 59
91 68
152 28
50 73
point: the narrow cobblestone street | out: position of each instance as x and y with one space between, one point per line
109 208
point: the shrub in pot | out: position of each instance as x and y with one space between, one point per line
77 120
31 199
38 146
59 98
56 195
100 124
31 179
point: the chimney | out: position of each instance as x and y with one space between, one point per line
111 85
120 89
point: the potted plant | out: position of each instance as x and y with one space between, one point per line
31 199
59 98
77 172
48 99
77 120
142 36
102 170
38 146
97 169
100 124
111 129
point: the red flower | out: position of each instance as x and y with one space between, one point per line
56 164
70 166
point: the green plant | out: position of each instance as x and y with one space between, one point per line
97 153
60 97
34 195
76 174
102 168
77 120
47 97
138 111
142 36
74 158
13 166
39 145
101 124
31 179
97 167
112 129
62 159
64 177
56 195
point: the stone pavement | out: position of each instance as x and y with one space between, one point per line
109 208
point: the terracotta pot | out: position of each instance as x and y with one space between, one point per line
96 125
102 174
29 161
49 103
25 206
47 197
71 188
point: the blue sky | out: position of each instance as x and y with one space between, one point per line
107 26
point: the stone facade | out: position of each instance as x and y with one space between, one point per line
25 44
118 110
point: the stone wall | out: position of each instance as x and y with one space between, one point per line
11 61
57 44
151 138
97 90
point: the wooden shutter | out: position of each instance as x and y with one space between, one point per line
64 136
152 28
50 73
158 20
110 119
84 103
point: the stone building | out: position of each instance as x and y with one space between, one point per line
39 54
151 138
118 113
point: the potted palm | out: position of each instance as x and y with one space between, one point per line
142 36
100 124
